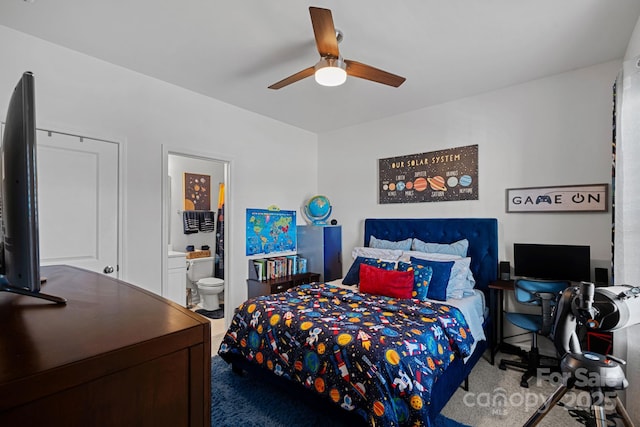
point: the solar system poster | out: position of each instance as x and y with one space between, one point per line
197 192
437 176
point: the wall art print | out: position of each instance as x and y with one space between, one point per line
436 176
197 192
561 198
270 231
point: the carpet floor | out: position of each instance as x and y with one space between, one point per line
246 400
495 399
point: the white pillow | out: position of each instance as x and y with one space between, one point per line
461 277
385 254
406 256
404 245
459 248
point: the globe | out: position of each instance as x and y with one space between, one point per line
317 210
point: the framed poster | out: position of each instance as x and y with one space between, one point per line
197 192
270 231
561 198
436 176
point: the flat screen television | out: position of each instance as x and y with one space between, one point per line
545 261
20 252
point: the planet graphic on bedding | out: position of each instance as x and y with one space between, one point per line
311 362
392 357
254 340
452 181
390 332
402 410
416 402
378 408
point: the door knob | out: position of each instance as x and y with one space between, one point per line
108 269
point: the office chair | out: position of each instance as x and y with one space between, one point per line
543 294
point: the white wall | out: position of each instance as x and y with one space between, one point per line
633 48
554 131
84 95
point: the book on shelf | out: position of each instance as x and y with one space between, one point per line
292 264
302 265
279 266
261 268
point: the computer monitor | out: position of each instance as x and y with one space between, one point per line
554 262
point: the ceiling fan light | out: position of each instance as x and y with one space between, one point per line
330 72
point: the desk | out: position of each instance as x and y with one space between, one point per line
496 308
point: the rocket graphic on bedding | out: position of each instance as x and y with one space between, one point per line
375 355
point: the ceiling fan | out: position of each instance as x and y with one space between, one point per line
332 69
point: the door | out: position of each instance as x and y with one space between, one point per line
78 202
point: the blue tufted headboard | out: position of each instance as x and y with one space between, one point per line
482 234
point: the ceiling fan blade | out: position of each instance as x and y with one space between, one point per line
324 32
364 71
293 78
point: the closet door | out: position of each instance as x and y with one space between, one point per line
78 202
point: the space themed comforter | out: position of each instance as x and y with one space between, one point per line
375 355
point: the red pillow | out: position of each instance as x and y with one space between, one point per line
391 283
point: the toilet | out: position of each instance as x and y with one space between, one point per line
200 274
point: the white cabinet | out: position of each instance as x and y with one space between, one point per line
177 278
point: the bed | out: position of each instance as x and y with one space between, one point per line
386 361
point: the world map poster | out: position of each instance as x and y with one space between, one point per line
436 176
270 231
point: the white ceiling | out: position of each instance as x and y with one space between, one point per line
232 50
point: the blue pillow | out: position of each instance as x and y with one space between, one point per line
403 245
421 278
353 275
380 263
441 271
459 248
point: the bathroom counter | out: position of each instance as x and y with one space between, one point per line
115 354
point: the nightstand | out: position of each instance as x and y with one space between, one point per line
257 287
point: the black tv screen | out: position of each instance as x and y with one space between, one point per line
545 261
19 249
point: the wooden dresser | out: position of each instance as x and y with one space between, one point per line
115 355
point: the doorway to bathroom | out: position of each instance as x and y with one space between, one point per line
195 197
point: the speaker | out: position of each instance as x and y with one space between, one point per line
505 270
602 276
